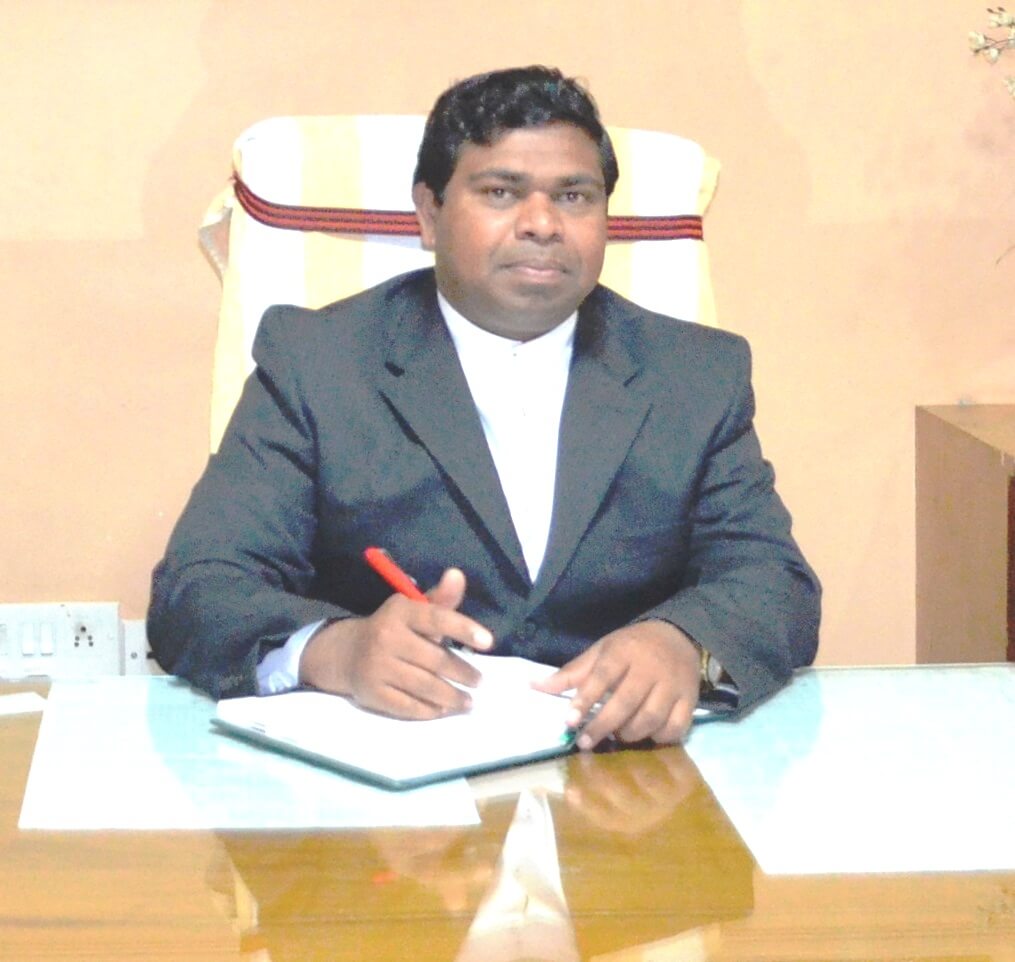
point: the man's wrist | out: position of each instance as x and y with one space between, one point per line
322 663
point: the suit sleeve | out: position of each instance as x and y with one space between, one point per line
750 597
237 576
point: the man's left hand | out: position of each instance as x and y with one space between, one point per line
646 678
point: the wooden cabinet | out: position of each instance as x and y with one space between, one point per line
965 533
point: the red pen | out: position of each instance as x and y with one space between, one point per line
382 563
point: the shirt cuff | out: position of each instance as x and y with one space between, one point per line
279 670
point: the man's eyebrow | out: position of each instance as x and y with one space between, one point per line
514 177
581 180
498 173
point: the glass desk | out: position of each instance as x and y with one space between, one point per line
623 855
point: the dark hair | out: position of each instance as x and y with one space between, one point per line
479 109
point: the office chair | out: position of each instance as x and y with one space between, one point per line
321 207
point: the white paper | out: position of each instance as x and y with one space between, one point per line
139 753
21 702
872 770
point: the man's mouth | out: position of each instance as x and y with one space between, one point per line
537 268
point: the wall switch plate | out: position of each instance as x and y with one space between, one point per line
60 640
137 655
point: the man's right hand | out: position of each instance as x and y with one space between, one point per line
394 661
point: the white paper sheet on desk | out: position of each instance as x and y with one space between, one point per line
872 770
21 702
138 753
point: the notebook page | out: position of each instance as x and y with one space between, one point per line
508 720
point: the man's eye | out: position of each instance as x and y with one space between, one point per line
497 193
574 197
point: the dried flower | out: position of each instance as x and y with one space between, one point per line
991 47
999 17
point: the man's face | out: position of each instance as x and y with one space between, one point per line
520 236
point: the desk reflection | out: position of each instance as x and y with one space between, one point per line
628 848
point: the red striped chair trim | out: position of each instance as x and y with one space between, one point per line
343 220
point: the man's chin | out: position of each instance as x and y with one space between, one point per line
540 313
543 299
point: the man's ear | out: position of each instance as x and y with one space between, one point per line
426 214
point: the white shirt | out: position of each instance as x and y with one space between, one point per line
518 388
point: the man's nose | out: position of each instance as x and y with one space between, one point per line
539 218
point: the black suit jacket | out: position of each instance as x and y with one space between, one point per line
357 428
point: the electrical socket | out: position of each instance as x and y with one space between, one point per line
60 640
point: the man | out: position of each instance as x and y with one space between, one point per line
578 478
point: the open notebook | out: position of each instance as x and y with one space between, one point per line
509 723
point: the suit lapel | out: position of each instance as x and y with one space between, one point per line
604 410
424 382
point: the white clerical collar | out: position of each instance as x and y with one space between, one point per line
471 339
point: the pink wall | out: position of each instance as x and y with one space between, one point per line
866 195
